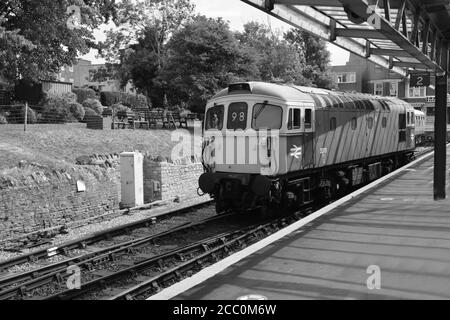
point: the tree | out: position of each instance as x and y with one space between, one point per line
204 57
47 40
11 45
317 57
276 59
139 42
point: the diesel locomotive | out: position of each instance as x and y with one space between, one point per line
268 145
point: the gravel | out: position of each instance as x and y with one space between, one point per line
133 216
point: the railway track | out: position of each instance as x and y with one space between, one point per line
131 273
50 278
85 242
149 276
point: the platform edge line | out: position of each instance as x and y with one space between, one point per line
214 269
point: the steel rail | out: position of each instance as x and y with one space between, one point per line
93 238
47 274
155 261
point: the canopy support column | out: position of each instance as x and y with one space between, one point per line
440 127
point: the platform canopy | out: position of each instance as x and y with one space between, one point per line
401 35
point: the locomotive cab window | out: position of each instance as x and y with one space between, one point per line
214 118
294 119
308 118
237 116
266 116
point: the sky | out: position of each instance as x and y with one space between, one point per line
237 13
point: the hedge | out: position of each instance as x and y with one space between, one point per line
134 101
94 105
83 94
77 110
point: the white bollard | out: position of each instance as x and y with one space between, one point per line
131 179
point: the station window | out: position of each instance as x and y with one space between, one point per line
378 88
294 119
354 123
333 123
267 116
393 89
417 92
237 116
214 118
308 118
346 77
384 122
370 122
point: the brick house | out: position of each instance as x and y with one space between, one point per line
363 76
80 74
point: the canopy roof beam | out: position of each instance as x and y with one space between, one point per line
395 34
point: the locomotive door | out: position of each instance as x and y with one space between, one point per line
300 139
308 138
401 128
410 130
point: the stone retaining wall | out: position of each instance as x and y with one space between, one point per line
45 199
165 180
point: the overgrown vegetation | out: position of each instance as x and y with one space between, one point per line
93 104
83 94
134 101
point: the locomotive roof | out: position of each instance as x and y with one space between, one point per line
288 92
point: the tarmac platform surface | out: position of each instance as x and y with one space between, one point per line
395 228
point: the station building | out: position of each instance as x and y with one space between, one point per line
361 75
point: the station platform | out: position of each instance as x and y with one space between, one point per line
393 225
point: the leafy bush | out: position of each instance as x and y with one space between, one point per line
83 94
120 107
70 96
57 109
17 115
3 119
134 101
77 110
94 105
89 113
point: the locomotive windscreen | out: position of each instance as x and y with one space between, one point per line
237 116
